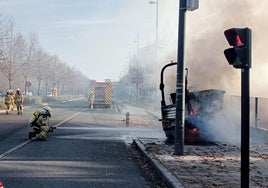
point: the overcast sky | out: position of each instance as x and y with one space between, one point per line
96 36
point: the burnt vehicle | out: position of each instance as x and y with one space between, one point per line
200 107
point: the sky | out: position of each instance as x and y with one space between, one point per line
95 36
99 36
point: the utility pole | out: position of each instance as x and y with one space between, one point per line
156 44
179 129
180 90
137 71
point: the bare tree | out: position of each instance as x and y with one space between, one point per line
13 46
23 58
3 22
30 56
40 68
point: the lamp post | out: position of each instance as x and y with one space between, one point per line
156 42
156 20
137 70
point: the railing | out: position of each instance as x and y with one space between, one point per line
258 110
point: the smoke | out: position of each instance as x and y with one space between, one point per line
204 58
225 125
205 43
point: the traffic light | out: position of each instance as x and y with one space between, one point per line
240 54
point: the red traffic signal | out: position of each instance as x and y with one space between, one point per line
235 36
240 55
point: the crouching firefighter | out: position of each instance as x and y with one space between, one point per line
40 123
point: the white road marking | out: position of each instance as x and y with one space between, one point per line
15 148
28 141
71 117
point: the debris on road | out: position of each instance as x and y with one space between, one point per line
210 165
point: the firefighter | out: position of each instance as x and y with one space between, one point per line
12 99
19 101
8 102
91 99
40 123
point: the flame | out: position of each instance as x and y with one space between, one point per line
193 111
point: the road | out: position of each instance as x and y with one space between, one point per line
89 148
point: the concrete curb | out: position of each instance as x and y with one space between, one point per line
168 177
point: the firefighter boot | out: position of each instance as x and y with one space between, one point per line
30 135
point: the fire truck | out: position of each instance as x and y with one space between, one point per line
100 94
200 107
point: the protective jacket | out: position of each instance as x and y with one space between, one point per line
8 99
18 97
39 123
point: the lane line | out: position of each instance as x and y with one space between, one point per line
15 148
28 141
69 118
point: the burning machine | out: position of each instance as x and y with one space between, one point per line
199 108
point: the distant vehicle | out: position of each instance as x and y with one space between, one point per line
200 106
100 94
49 94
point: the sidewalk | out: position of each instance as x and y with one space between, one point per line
216 165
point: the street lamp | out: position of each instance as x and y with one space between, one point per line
156 21
156 42
137 69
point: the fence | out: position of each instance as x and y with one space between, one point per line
258 110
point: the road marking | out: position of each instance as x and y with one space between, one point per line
28 141
68 119
89 137
15 148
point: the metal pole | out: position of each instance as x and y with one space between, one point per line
137 72
156 24
180 92
156 46
256 111
127 119
245 128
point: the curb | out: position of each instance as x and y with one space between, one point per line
170 180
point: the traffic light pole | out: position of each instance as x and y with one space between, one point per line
245 127
180 94
240 57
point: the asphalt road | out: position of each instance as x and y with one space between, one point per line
89 148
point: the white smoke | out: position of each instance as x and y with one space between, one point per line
225 126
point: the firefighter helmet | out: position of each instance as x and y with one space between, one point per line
47 111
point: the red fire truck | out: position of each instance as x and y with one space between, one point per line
100 94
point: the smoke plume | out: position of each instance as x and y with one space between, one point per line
208 68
